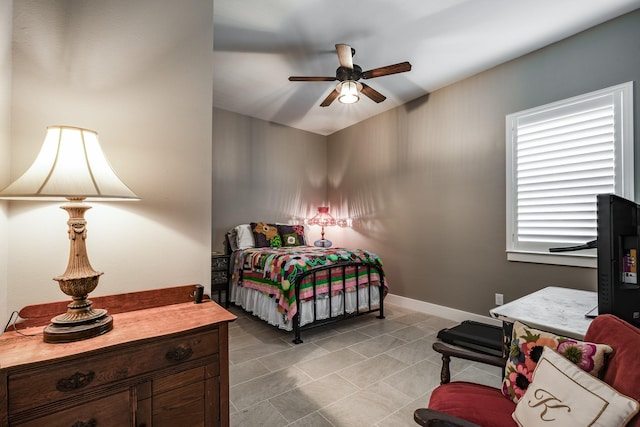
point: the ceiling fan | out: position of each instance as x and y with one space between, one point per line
348 75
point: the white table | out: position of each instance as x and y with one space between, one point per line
553 309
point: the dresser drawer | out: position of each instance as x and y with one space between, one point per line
85 374
220 263
111 411
218 277
179 406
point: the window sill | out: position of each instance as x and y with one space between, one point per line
589 261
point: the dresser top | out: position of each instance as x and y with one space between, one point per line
17 349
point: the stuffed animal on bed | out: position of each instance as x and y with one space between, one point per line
270 233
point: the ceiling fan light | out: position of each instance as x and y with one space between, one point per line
349 91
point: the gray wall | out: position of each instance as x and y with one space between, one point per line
263 172
139 73
425 182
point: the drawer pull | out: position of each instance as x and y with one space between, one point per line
179 354
90 423
75 381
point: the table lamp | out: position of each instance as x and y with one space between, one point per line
324 219
72 166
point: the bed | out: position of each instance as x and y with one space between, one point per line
277 277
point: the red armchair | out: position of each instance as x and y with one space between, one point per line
467 404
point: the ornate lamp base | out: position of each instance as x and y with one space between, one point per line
323 243
61 332
81 321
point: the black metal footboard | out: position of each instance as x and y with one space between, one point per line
331 269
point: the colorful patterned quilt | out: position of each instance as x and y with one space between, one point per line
275 271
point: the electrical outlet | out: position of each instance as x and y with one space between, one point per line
499 299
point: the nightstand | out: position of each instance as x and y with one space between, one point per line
220 276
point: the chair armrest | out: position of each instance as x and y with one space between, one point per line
448 352
464 353
430 418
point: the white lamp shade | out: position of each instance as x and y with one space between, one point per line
70 164
349 91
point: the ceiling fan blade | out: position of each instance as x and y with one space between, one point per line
329 99
372 93
311 79
344 55
385 71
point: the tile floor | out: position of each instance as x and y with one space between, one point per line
361 372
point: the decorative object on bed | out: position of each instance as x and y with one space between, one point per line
300 287
240 237
72 166
324 219
243 236
265 235
292 235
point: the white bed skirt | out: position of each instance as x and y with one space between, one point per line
265 307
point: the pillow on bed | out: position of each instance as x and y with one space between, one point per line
292 235
241 237
265 235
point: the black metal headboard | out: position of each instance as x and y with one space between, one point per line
227 243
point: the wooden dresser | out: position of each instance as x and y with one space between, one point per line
160 366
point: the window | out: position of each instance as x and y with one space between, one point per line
559 157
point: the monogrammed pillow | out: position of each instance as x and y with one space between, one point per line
561 395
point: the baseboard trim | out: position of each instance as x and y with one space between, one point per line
439 310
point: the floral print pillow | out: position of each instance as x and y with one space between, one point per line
292 235
526 348
266 235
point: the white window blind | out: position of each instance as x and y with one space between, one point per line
559 157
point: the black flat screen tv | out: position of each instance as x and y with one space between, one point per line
618 245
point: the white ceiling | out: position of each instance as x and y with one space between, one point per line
258 44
